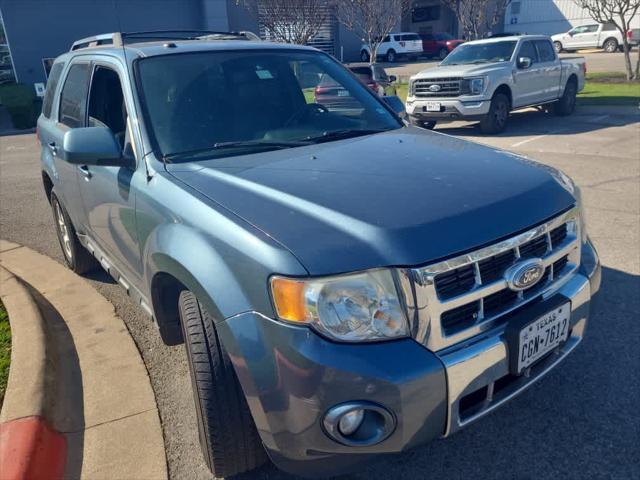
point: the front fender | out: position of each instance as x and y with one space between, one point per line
228 275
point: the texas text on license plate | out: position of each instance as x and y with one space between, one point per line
433 106
543 335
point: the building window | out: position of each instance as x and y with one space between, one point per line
515 8
7 73
425 14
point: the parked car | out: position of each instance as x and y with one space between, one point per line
438 44
395 46
376 78
346 287
596 35
487 79
634 37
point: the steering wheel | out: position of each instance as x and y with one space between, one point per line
304 111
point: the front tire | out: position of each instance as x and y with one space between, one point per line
76 257
442 54
610 45
228 437
557 47
567 103
496 120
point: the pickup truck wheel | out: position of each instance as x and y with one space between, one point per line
610 45
567 103
496 120
391 56
76 257
557 46
228 437
442 54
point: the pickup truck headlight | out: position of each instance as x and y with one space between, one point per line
569 185
412 88
472 86
357 307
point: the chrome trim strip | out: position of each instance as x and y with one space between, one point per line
427 328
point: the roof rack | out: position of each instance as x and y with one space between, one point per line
118 39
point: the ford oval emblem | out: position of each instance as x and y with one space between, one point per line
435 88
524 274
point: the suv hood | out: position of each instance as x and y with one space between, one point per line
459 70
399 198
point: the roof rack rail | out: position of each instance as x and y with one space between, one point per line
118 39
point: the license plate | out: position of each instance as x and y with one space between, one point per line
543 335
343 93
433 106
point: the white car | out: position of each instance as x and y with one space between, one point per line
595 35
395 46
485 80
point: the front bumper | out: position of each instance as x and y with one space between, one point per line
451 109
292 376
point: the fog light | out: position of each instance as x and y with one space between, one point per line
350 422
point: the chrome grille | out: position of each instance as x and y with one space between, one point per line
449 87
459 298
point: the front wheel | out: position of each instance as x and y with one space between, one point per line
610 45
442 54
557 46
567 103
228 437
496 120
76 257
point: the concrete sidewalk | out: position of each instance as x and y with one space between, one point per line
98 392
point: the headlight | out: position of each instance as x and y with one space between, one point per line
569 185
354 308
472 86
412 88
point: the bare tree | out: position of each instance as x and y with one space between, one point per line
477 16
371 19
619 13
290 21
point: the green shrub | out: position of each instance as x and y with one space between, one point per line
22 103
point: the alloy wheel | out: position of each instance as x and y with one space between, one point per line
63 231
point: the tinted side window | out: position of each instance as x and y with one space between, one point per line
545 51
608 27
73 99
591 29
52 84
385 39
528 50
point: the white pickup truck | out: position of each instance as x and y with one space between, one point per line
487 79
594 35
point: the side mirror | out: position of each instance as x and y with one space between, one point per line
393 78
524 63
396 104
92 146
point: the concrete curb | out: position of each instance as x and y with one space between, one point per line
97 392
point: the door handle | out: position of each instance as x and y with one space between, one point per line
52 146
86 173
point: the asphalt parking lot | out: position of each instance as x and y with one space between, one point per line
580 421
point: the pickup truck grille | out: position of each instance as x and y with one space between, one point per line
459 298
448 87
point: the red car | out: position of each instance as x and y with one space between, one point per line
438 44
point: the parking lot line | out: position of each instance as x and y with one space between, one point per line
531 139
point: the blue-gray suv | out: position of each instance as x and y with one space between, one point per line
346 285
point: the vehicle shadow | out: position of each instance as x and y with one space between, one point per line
532 122
576 415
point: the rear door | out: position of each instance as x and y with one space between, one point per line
551 70
585 37
66 112
108 193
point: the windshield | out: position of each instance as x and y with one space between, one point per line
224 103
469 53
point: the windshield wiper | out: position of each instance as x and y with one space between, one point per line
251 144
345 133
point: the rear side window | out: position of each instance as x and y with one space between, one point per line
73 99
545 51
608 27
52 85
